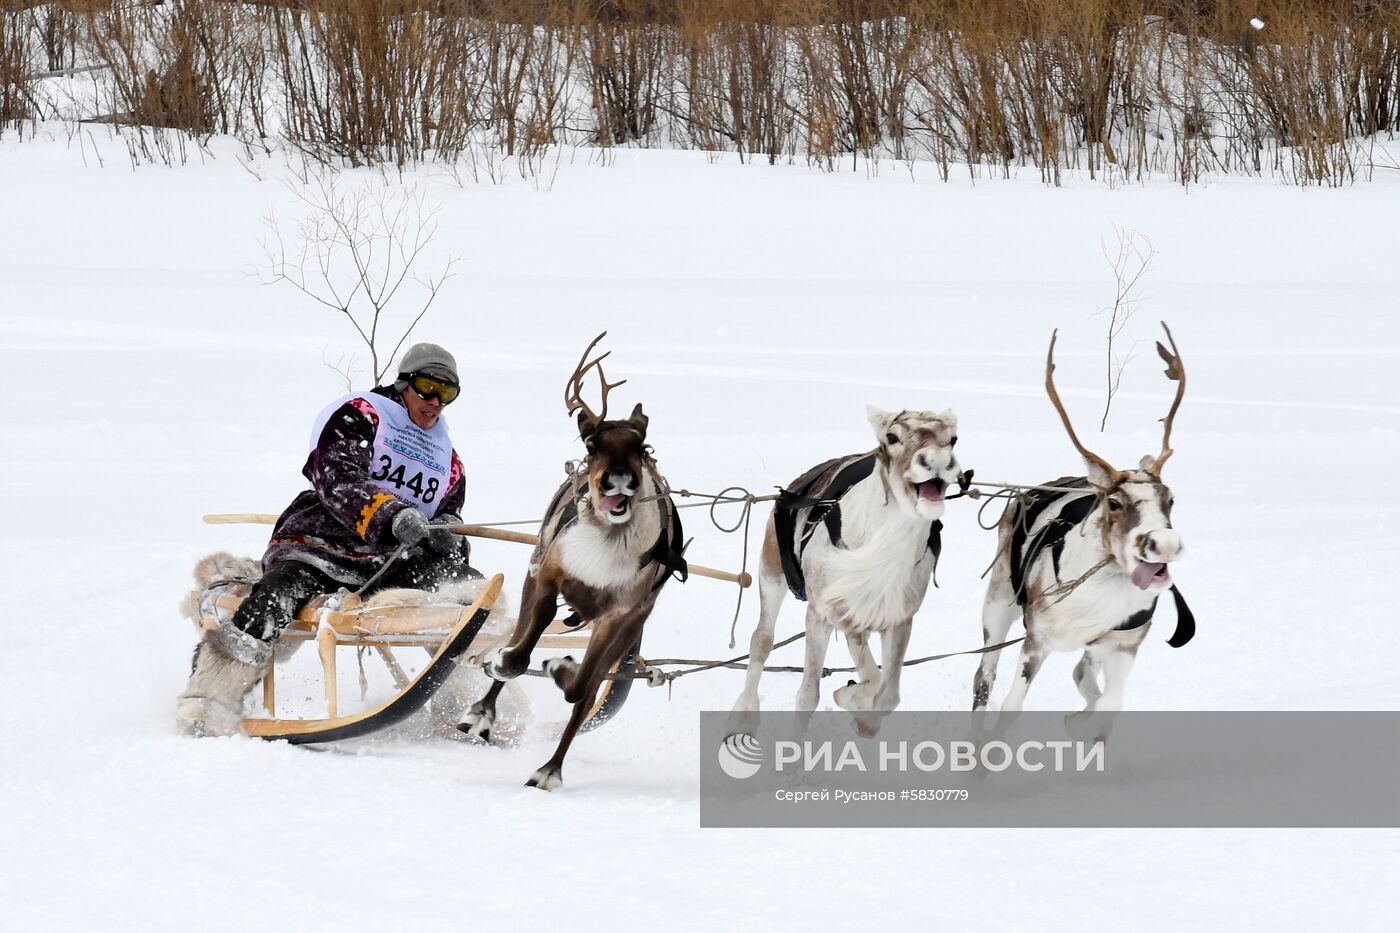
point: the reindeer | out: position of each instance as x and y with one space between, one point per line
609 540
1084 568
858 538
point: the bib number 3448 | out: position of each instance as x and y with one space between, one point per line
389 473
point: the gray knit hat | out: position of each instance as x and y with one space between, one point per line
428 358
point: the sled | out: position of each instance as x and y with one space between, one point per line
449 633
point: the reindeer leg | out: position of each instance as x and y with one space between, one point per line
580 682
480 717
536 612
856 695
894 644
771 590
1032 656
537 604
1087 680
818 638
998 612
1115 654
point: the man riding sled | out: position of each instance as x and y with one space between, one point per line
383 472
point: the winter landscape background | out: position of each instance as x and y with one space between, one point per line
755 310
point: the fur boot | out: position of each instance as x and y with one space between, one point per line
227 664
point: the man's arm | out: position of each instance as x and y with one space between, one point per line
339 470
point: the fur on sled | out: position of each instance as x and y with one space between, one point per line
220 570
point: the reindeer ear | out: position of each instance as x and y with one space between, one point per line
879 420
1147 462
1098 476
639 420
586 424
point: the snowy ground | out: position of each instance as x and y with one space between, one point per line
755 310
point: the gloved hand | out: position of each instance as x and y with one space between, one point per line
409 526
442 540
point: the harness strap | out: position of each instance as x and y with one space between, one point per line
828 510
790 501
669 549
1052 536
825 508
1185 621
1137 619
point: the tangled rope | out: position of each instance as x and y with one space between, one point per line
724 497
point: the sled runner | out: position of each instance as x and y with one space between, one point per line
451 634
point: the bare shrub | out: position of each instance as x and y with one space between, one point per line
963 80
353 253
166 66
628 60
1122 88
16 105
733 77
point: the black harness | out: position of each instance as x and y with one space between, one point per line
825 508
1030 506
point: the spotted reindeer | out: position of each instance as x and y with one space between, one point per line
610 539
1083 561
858 538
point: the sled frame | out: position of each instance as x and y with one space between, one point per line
335 622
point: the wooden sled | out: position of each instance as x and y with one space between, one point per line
449 633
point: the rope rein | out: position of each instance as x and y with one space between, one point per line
651 672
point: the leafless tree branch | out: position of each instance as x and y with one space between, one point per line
1130 262
352 253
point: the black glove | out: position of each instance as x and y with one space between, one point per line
409 526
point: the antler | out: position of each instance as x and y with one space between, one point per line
573 389
1176 372
1085 452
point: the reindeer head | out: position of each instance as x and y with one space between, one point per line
916 455
1135 506
617 452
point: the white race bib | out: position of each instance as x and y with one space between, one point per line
409 463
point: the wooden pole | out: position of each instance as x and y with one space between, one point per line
475 531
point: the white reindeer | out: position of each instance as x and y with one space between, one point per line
1084 568
857 537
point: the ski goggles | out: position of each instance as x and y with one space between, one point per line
427 386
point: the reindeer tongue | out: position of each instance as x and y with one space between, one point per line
929 492
1145 574
609 503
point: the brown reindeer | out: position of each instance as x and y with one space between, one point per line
609 541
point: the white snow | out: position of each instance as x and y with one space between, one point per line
755 310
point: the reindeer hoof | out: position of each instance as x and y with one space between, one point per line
853 696
483 736
1085 726
477 723
497 668
559 668
868 728
743 722
546 779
